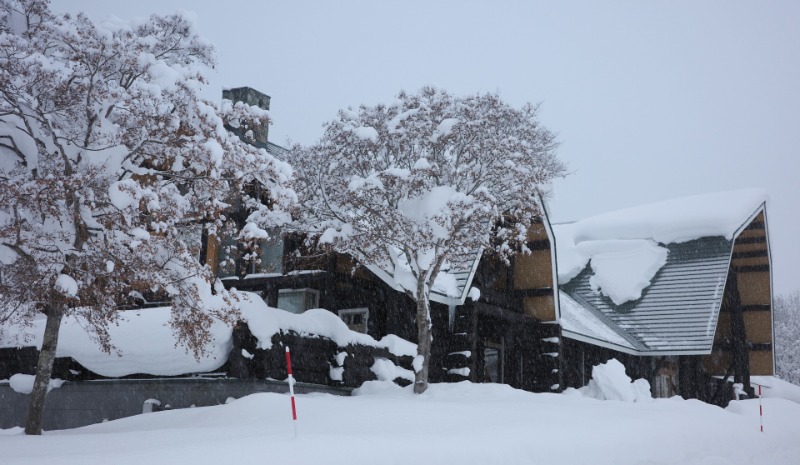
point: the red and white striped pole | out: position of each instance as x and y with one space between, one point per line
760 409
290 380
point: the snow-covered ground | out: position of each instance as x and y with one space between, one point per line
451 423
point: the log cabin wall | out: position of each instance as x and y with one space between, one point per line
533 275
743 342
509 334
693 381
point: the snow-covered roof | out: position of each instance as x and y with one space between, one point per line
656 273
451 286
584 323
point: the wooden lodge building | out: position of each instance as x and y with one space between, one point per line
703 322
702 319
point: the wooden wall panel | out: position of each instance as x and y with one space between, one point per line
761 363
752 233
758 247
533 270
723 326
754 288
542 308
758 327
750 261
537 232
344 264
717 363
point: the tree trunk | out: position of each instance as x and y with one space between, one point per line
44 369
423 336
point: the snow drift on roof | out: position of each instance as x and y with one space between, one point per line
145 343
598 239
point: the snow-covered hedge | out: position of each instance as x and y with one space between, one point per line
145 344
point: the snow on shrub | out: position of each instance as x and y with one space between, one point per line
23 384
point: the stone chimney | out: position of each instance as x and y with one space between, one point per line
253 97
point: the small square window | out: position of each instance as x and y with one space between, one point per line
298 300
356 319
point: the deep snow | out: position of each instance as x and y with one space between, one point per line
451 423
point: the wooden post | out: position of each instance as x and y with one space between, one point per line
290 380
741 362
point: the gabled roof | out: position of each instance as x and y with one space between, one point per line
452 285
455 282
678 306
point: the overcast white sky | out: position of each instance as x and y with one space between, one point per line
651 100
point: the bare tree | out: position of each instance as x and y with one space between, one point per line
787 333
106 151
415 186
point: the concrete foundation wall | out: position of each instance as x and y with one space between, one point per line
83 403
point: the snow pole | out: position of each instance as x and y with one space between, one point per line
760 409
290 380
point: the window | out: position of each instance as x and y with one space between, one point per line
192 236
233 260
356 319
665 384
298 300
271 254
493 366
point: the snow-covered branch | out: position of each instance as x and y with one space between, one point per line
415 186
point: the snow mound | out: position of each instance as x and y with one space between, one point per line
776 388
609 382
772 412
382 389
386 370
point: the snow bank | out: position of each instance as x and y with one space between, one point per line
453 423
625 246
776 414
145 343
609 382
773 387
381 388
